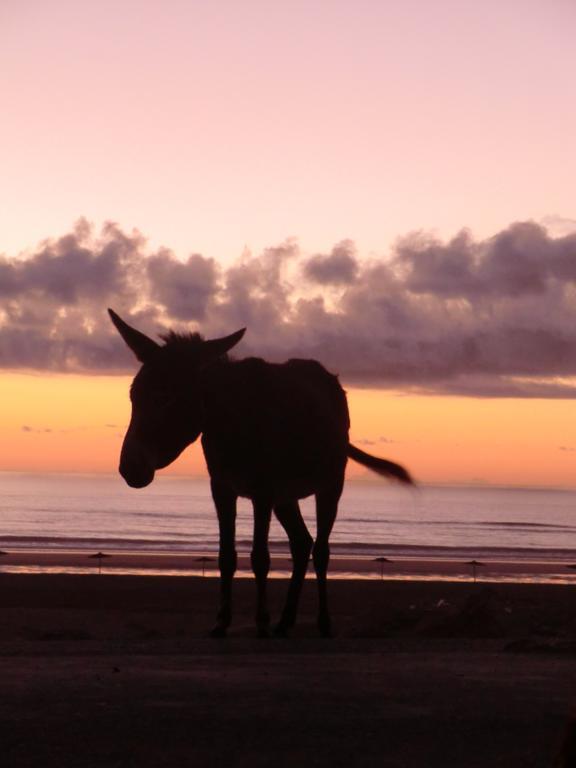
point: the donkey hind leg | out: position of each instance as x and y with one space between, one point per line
326 509
225 502
260 559
290 519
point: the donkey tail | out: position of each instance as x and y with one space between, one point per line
381 466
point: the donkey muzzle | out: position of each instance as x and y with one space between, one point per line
136 466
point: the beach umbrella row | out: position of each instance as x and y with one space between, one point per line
204 560
102 555
474 564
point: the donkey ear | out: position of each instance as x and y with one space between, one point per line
218 347
140 344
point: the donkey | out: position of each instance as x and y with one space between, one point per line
272 433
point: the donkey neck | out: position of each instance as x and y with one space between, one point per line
216 388
231 392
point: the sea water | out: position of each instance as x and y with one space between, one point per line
176 514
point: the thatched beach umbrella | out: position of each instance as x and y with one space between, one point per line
382 560
475 564
204 560
99 556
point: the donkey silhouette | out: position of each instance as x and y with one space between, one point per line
272 433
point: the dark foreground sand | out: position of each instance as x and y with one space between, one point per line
118 671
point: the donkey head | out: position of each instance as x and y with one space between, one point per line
166 398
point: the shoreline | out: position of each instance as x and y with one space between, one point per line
349 567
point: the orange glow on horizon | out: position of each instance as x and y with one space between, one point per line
70 423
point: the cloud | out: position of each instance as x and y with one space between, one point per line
493 317
184 289
559 225
522 260
340 267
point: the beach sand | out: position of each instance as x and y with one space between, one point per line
107 670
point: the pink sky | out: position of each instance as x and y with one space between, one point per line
211 126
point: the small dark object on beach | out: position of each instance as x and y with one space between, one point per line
475 564
482 615
99 556
204 560
382 560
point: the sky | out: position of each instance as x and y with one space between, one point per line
386 187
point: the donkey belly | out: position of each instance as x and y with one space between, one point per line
275 471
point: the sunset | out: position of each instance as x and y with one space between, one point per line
75 423
288 367
401 212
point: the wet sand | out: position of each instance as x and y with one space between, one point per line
119 671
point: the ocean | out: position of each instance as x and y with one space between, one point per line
176 515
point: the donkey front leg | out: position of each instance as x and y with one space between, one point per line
261 563
225 502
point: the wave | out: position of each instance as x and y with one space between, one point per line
126 543
339 549
528 526
488 524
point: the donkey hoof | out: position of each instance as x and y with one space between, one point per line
218 631
281 630
325 627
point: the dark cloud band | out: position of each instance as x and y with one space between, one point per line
495 317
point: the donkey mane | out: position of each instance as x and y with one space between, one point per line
188 348
182 341
182 348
